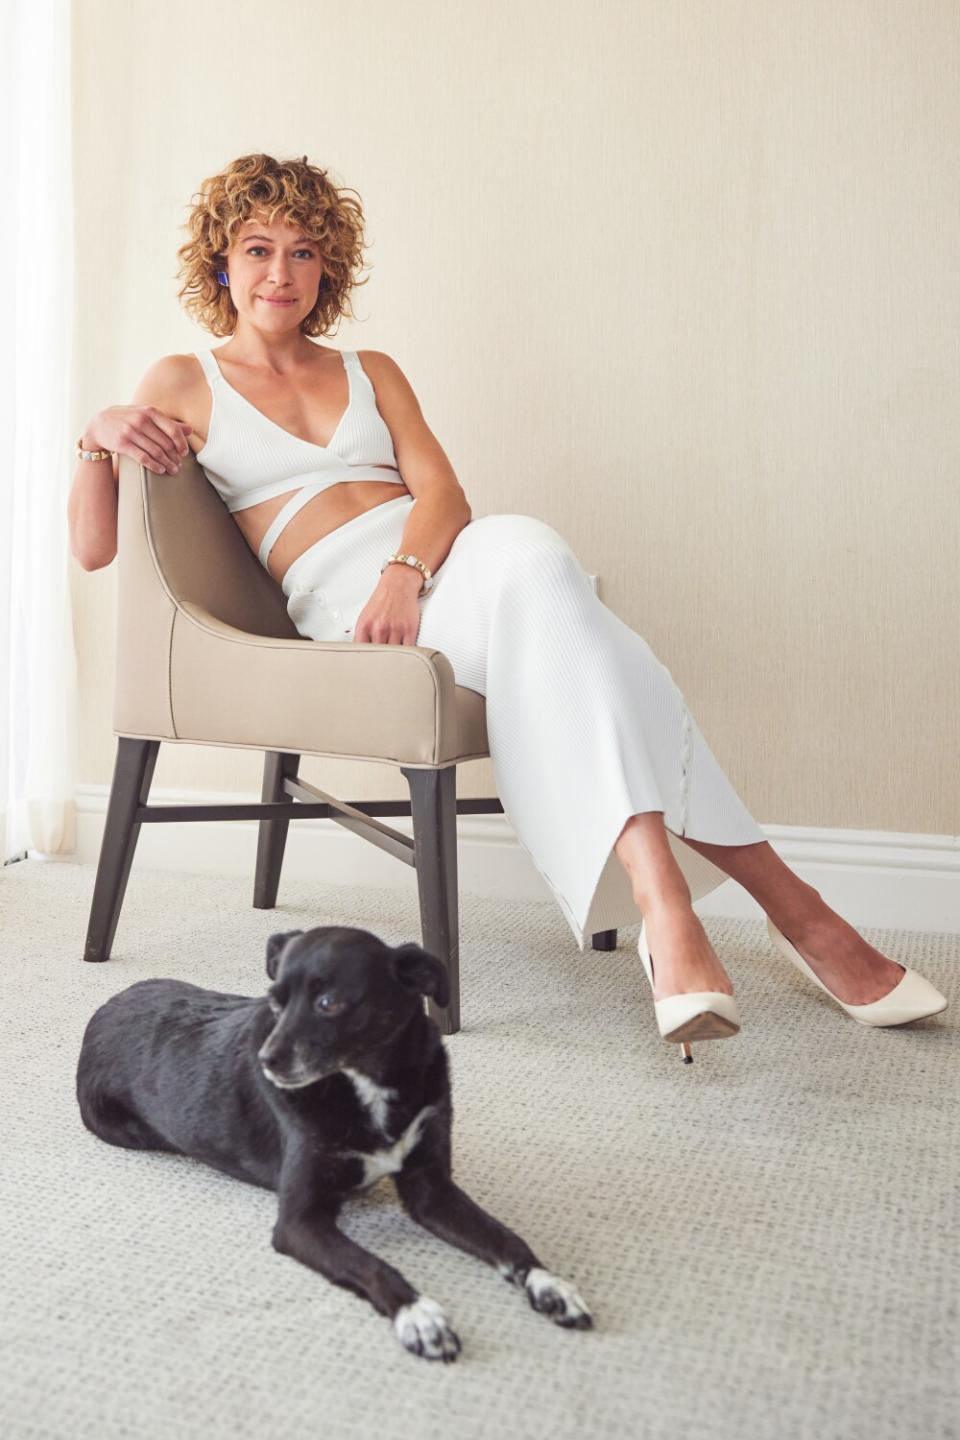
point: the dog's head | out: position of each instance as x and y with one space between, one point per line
339 994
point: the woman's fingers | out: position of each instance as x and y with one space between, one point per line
145 433
150 441
165 433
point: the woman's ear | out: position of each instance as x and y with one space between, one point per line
421 972
275 947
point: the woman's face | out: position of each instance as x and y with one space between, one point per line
270 263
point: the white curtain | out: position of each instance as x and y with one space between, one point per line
38 693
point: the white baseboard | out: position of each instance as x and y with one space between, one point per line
887 881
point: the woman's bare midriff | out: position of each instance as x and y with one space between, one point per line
321 514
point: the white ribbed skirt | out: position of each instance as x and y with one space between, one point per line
586 726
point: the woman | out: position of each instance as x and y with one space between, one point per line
328 467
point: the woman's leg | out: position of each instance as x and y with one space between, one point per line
850 967
684 959
563 678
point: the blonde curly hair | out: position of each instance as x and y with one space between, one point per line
256 186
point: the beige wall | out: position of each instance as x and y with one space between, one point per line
679 278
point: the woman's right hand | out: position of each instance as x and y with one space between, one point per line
142 432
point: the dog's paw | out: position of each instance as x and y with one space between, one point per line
556 1298
424 1329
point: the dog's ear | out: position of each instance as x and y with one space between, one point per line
421 972
275 947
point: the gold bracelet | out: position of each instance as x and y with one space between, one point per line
416 564
91 454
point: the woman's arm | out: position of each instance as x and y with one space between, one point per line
92 506
148 431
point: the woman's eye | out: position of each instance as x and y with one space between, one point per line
308 253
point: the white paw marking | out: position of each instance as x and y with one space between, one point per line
555 1297
424 1329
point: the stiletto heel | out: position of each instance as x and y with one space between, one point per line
696 1015
912 998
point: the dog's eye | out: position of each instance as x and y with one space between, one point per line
330 1005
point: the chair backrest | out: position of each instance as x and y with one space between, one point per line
177 544
203 556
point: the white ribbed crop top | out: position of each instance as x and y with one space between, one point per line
248 457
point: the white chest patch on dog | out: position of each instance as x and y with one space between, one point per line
390 1158
375 1097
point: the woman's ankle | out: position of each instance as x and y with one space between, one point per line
667 901
683 958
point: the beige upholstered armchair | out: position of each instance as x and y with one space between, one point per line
206 654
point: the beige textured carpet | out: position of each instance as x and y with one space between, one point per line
768 1238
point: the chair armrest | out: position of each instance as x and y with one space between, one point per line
393 703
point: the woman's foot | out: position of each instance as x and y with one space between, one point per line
682 956
850 967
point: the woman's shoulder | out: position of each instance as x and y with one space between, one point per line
170 373
376 361
176 385
393 390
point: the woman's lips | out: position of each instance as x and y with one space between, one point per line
275 302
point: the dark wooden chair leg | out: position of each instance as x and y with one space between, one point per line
132 775
433 809
272 834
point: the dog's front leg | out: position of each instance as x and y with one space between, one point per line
307 1231
432 1198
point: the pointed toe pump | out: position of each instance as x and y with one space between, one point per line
697 1015
912 998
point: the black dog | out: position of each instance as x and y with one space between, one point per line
336 1077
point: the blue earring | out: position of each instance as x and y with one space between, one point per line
222 277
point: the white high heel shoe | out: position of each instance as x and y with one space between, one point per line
912 998
697 1015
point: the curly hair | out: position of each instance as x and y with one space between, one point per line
255 186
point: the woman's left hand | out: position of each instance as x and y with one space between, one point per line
392 615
